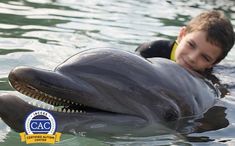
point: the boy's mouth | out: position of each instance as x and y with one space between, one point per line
186 64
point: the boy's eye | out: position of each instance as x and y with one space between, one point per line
191 44
206 58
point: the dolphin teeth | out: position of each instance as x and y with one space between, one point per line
30 94
59 110
45 94
34 96
44 99
56 104
50 101
26 93
38 98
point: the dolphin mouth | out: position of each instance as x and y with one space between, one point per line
57 104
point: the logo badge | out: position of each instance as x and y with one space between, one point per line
40 127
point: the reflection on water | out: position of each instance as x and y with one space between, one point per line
4 85
7 51
44 33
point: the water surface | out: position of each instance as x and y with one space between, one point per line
44 33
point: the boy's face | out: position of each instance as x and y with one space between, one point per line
194 52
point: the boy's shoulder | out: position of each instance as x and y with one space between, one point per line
157 48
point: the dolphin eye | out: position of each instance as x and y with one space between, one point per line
171 115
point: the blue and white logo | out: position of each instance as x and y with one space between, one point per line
40 122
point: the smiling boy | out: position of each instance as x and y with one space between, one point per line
204 42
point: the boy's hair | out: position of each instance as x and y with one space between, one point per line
218 28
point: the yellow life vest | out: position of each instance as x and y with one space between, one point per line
173 51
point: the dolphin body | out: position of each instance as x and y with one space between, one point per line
109 91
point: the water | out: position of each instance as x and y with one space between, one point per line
46 32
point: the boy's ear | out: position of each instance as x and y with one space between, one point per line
182 33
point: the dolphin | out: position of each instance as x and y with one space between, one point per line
111 92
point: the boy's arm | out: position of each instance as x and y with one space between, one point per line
159 48
145 50
223 88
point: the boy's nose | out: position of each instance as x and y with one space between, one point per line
193 56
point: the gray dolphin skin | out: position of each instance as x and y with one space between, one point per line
110 92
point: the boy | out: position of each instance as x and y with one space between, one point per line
204 42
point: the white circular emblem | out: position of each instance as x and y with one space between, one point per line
40 122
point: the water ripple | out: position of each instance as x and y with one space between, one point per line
43 33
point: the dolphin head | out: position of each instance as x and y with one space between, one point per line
108 91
